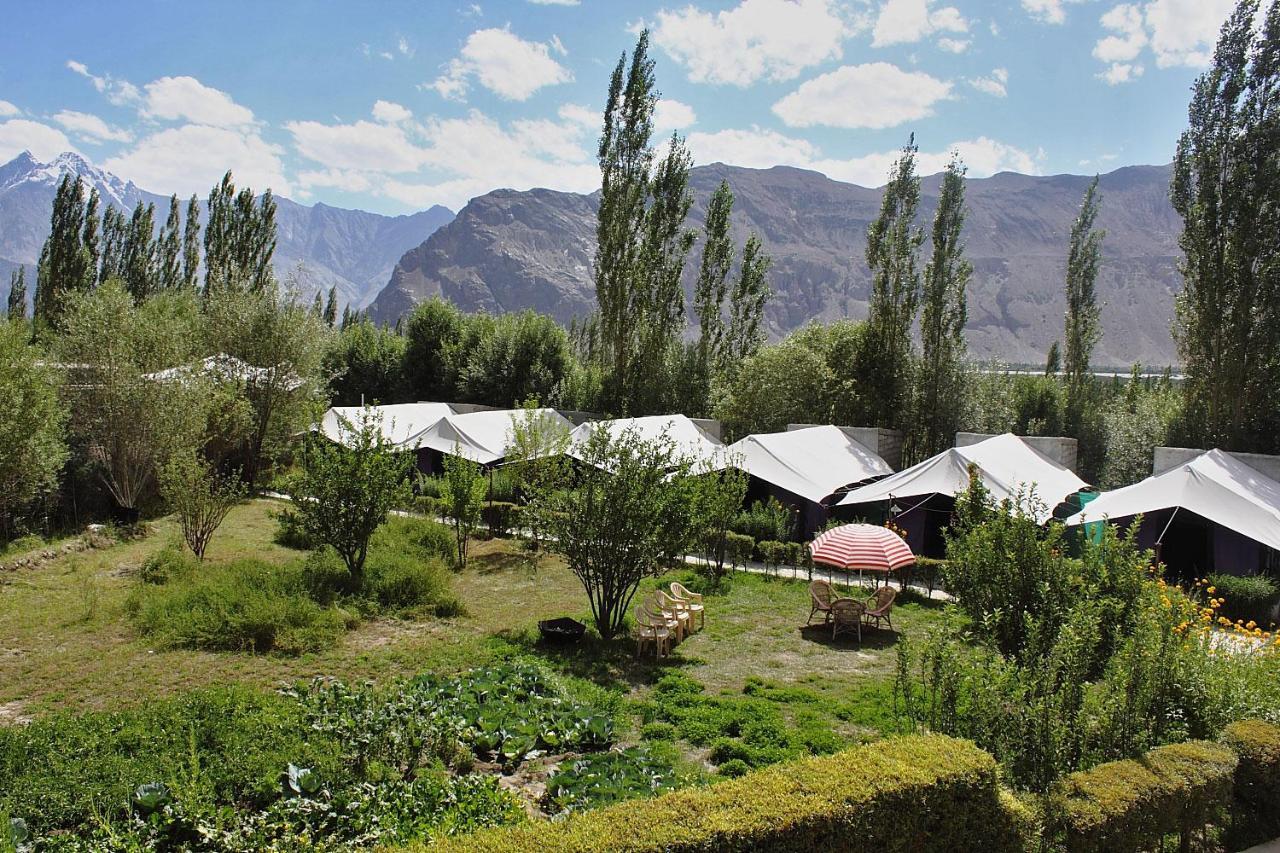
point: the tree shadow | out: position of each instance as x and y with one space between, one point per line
611 664
873 639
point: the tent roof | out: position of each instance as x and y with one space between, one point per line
1005 462
690 439
812 462
482 437
1214 485
400 421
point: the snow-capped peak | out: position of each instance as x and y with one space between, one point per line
24 168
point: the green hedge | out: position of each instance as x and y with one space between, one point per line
1255 812
1130 805
919 793
1246 597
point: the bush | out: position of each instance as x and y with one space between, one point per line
765 520
500 517
1255 816
420 538
168 563
398 582
1248 598
291 533
738 548
1130 805
925 793
247 605
325 576
609 777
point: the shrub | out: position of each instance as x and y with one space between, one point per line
242 606
923 794
609 777
739 548
291 533
1248 598
499 517
658 731
399 582
420 537
1254 814
1132 804
167 563
325 576
765 520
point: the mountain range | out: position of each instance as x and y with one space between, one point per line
510 250
327 246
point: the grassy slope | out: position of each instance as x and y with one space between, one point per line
65 642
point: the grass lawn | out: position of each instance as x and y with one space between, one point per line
65 642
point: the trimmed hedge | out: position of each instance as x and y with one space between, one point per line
1130 805
918 793
1255 813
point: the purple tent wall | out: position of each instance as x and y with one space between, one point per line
1235 554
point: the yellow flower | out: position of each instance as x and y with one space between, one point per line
1251 625
1211 590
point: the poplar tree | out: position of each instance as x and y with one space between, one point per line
1226 188
942 318
239 239
90 234
18 294
746 305
170 248
1083 328
331 307
139 271
317 306
893 248
191 245
711 288
114 233
65 264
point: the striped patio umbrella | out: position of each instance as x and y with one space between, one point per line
865 547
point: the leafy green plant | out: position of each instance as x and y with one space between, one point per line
609 777
1248 598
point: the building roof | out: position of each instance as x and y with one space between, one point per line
812 462
400 421
690 440
1214 485
483 437
1006 464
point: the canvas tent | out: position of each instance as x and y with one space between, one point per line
482 437
1211 513
690 440
400 422
924 494
804 467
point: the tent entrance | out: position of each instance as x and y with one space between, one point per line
1186 548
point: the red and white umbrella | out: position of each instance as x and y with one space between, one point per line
862 547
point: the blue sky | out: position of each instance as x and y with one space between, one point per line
394 106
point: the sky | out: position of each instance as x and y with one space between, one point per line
395 106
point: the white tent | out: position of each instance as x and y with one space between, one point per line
483 437
400 422
1006 463
690 440
812 462
1214 485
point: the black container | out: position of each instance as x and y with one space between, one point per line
562 630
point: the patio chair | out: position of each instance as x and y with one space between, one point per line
692 602
820 596
846 616
651 628
673 608
879 605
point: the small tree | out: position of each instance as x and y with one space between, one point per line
537 447
199 497
610 527
462 494
718 497
347 488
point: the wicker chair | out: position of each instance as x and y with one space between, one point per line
879 605
651 628
673 608
691 601
846 615
820 596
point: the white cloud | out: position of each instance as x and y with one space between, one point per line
91 127
876 95
996 84
390 112
671 115
186 98
1048 11
1177 32
361 146
339 179
7 109
505 64
555 2
584 117
44 142
909 21
755 40
191 158
756 148
954 45
402 45
118 92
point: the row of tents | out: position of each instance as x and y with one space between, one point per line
1211 512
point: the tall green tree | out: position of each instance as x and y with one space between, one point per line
1083 326
191 244
91 236
66 265
750 294
18 294
1226 188
431 335
140 274
32 447
115 231
239 239
893 249
462 491
711 289
331 307
169 249
942 317
364 365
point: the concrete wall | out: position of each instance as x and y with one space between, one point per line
1164 458
885 443
1059 448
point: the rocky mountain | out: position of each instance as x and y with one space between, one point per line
508 250
353 250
